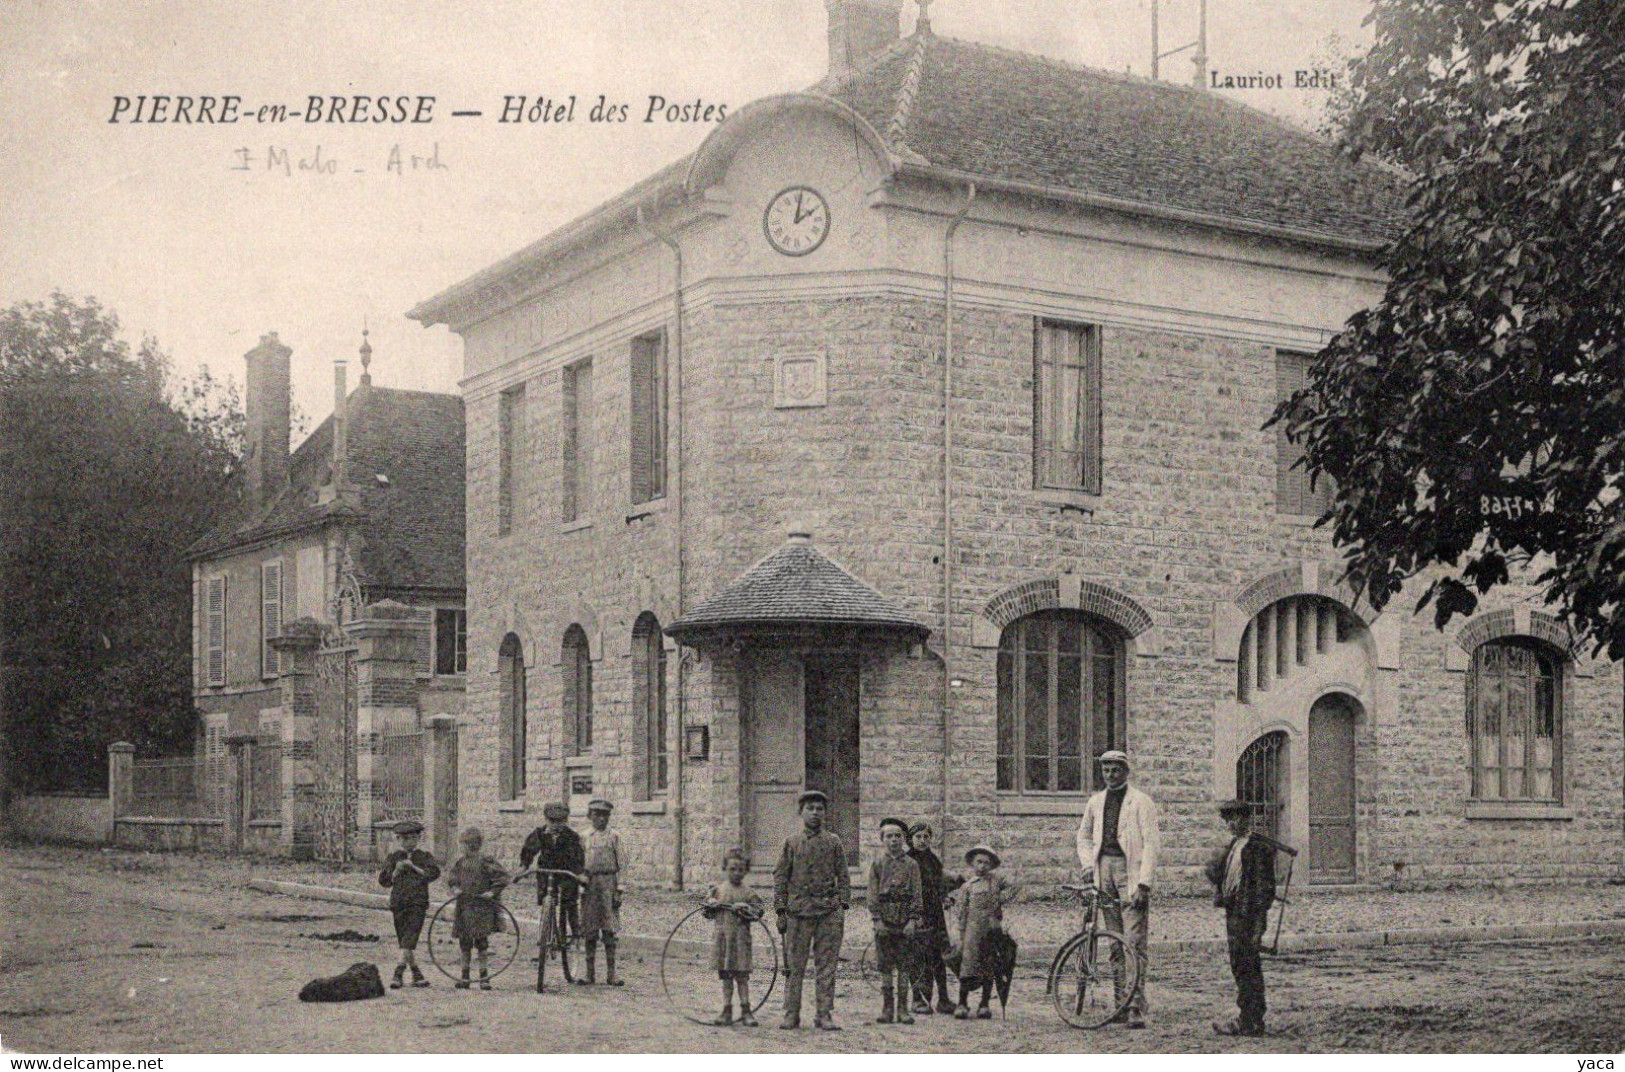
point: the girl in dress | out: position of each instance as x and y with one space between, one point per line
981 917
733 907
478 880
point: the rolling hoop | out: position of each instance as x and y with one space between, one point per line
445 952
667 955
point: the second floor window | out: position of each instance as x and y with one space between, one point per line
577 438
450 641
214 631
649 417
1066 407
1293 493
510 435
270 617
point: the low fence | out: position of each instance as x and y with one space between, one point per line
178 788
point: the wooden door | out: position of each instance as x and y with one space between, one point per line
1331 790
773 754
831 703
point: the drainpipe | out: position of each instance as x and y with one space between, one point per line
948 504
676 491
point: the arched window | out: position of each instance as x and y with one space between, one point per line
1261 781
511 746
577 692
1060 701
649 701
1515 721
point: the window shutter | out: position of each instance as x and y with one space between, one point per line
642 420
423 644
270 617
1089 418
215 631
1289 377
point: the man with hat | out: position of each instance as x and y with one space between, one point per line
557 847
1243 878
407 872
811 890
601 901
1118 843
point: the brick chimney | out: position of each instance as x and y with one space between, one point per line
266 401
859 30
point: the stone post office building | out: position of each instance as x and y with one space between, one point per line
904 441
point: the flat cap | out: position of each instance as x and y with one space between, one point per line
1233 806
555 811
898 823
812 794
1114 756
408 826
600 805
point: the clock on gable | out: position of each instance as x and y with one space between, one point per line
796 221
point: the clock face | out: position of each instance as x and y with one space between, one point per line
796 221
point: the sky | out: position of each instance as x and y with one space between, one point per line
158 222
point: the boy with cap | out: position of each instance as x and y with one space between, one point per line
601 901
1118 843
557 847
1243 878
811 890
896 906
932 941
407 873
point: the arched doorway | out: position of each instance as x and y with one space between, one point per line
1262 781
1332 833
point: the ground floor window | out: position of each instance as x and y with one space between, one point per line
1060 701
1514 721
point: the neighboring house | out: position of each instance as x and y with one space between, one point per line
369 508
993 338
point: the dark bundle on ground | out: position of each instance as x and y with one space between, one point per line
357 983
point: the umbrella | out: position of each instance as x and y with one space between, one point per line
1003 950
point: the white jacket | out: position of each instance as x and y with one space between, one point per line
1136 832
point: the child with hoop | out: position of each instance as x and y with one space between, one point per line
478 880
733 907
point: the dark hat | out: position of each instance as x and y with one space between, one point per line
812 794
600 805
555 811
982 850
898 823
408 826
917 827
1231 807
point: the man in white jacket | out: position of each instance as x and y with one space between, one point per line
1117 846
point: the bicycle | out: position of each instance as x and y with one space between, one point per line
1095 973
553 937
444 948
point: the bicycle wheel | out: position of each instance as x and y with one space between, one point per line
868 968
545 945
446 952
1093 979
686 958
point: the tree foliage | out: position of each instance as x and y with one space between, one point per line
111 470
1474 420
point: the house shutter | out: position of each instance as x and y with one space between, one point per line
424 641
642 422
214 614
270 617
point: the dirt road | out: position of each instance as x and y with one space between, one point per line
125 953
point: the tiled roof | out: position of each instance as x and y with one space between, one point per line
971 112
996 114
796 585
412 525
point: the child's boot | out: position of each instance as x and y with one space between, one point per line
417 976
888 1013
727 1017
485 980
610 978
462 984
398 980
592 965
903 1015
746 1018
922 1003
